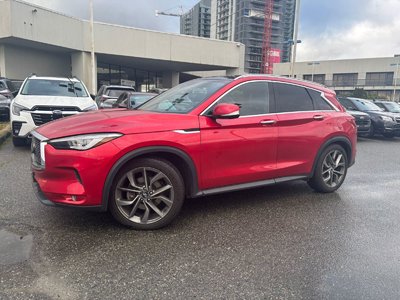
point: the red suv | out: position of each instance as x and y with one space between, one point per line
202 137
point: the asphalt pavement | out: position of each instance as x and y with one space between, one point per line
279 242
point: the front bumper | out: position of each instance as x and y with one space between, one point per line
73 178
26 122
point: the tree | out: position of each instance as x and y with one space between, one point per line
360 93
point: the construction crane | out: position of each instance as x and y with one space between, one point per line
165 13
267 64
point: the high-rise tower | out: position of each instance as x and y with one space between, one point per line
243 21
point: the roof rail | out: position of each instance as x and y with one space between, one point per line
32 74
280 76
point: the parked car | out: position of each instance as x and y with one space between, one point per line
7 88
363 122
110 93
388 106
44 99
17 84
202 137
135 99
385 123
4 108
158 90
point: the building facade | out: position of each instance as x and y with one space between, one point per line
197 20
243 21
37 40
377 77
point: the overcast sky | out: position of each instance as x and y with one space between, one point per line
329 29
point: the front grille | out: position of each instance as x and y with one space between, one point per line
52 108
36 155
363 121
41 119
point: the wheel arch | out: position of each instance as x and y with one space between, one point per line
177 157
339 140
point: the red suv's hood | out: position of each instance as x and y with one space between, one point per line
116 120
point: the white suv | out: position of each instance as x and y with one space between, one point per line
44 99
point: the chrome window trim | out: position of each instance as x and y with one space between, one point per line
273 81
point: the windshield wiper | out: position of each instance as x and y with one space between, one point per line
177 101
73 88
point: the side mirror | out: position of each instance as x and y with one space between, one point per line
130 104
92 96
123 105
226 111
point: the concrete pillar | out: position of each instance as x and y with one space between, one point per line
2 62
170 79
81 68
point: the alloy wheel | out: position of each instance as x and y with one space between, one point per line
333 168
144 195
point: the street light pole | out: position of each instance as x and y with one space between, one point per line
94 89
296 30
313 68
396 74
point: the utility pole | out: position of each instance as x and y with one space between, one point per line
296 30
396 74
94 88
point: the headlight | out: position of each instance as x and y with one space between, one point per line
16 109
83 142
92 107
387 119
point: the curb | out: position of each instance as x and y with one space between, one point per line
5 133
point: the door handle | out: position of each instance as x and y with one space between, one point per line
318 117
268 122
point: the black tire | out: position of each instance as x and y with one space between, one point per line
170 176
317 182
371 131
19 142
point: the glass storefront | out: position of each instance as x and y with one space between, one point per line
143 81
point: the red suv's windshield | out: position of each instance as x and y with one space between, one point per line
185 97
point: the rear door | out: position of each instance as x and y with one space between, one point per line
235 151
304 120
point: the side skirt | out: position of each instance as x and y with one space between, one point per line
249 185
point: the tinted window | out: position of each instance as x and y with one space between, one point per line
115 92
11 86
319 102
347 104
252 97
2 86
292 98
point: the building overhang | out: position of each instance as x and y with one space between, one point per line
27 25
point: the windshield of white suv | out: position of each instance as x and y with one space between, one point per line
47 87
186 96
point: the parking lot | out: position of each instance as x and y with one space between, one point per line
280 242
